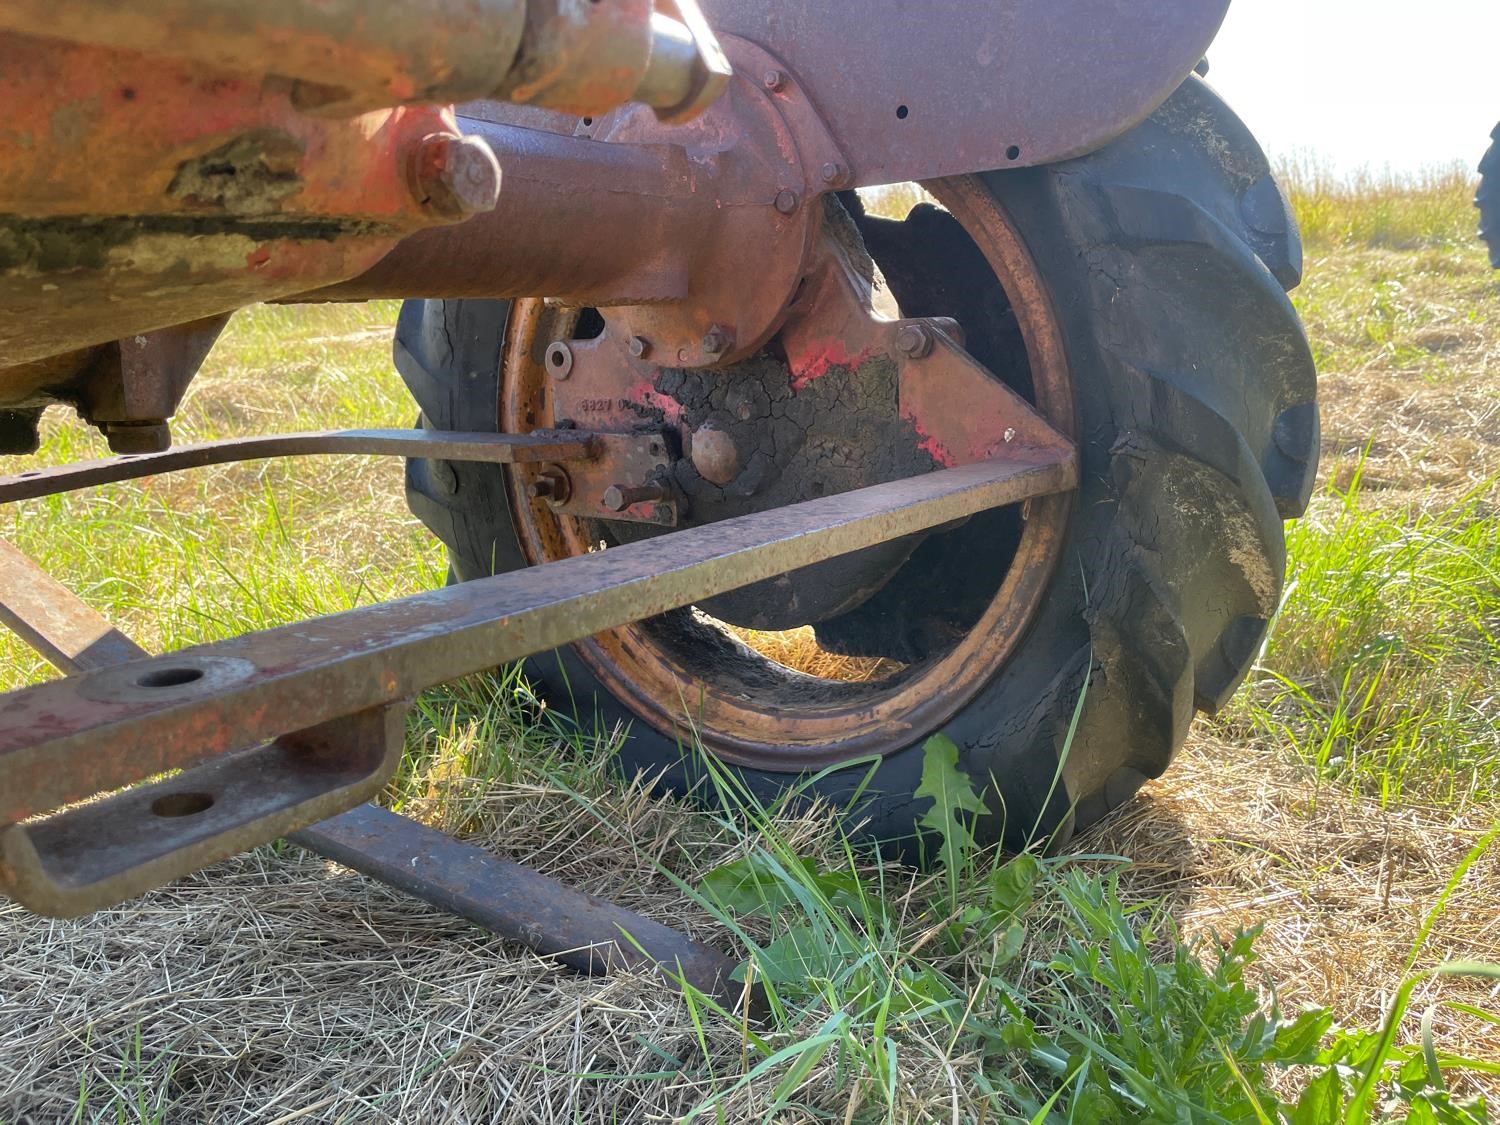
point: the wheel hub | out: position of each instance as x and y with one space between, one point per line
847 394
772 442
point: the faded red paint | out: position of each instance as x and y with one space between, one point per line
931 445
817 361
103 131
644 394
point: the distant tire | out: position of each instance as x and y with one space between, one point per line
1487 199
1166 255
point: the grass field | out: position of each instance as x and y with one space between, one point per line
1322 855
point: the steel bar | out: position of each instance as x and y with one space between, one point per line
558 53
61 742
579 930
505 449
688 212
383 52
586 933
95 855
55 621
100 853
577 218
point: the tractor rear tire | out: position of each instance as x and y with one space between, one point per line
1167 256
1487 199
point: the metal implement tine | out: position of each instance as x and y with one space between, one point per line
505 449
63 741
586 933
55 621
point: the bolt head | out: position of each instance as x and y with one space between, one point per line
715 342
787 201
914 340
455 176
551 484
614 498
773 80
148 436
640 347
834 174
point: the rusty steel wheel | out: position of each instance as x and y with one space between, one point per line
685 674
1135 297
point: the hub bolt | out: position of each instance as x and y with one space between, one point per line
552 485
787 201
914 341
715 342
618 497
640 347
559 360
455 176
148 436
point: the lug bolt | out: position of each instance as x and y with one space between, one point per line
834 174
773 80
559 360
640 347
151 435
455 176
715 342
914 341
552 485
787 201
618 497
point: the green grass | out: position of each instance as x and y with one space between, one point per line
194 557
1422 210
1382 669
1422 312
1046 995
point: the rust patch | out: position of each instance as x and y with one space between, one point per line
249 175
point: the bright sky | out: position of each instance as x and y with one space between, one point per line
1363 83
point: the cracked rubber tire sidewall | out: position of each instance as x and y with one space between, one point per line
1167 256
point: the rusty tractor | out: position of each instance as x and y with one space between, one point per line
1024 453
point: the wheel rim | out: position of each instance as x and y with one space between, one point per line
761 715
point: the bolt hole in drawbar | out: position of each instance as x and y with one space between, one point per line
903 112
175 805
170 677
